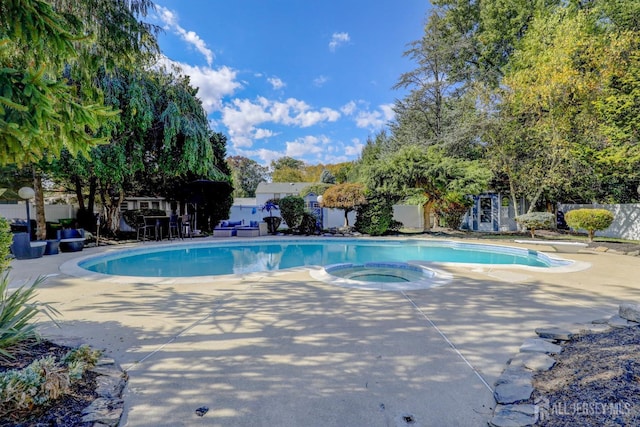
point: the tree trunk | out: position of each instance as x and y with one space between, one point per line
426 215
41 233
78 188
346 218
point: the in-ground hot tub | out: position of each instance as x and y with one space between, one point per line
385 276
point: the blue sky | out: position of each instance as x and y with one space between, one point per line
307 79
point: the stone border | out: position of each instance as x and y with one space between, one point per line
515 384
107 409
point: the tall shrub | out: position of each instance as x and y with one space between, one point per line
452 208
292 209
591 220
376 217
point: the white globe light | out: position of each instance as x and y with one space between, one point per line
26 193
319 199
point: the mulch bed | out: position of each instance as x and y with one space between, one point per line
65 411
595 382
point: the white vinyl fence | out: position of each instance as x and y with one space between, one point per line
52 213
626 219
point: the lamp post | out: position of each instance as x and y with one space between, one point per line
27 193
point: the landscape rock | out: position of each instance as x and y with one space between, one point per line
514 416
539 345
534 361
557 334
630 311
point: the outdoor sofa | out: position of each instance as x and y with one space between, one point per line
227 228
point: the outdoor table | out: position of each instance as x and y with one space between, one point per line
158 222
53 247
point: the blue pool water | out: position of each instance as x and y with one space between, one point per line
218 258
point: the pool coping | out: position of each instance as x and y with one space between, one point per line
72 268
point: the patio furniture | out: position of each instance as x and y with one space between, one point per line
227 229
174 226
186 226
23 248
157 223
71 239
143 228
53 247
254 229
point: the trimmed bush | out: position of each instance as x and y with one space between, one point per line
591 220
537 221
291 209
376 217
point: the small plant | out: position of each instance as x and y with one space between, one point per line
80 359
537 221
591 220
43 381
17 310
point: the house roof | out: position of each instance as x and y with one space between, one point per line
281 187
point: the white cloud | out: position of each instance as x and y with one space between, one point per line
212 84
276 83
170 19
337 40
355 149
349 108
320 81
263 133
375 119
302 147
242 117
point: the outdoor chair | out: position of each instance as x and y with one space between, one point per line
186 226
142 227
23 248
71 239
174 227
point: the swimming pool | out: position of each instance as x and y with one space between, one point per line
240 257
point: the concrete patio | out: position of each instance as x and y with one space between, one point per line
282 349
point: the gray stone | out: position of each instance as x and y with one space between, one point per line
105 411
110 386
515 374
589 328
103 360
512 392
534 361
618 322
110 370
630 311
514 416
601 321
558 334
539 345
633 253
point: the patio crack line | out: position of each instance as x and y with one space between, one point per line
218 303
434 326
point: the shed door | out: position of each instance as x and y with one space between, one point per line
485 213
